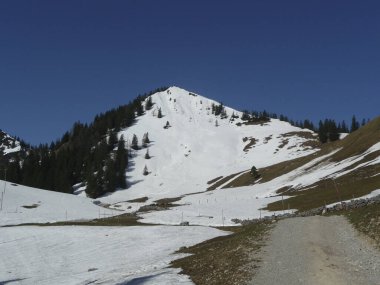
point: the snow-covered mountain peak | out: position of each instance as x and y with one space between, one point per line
194 139
187 103
8 144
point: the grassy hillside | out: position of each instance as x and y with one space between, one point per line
353 185
367 221
356 183
227 259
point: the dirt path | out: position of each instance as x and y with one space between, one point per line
318 250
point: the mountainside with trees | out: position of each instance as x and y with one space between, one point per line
96 156
89 153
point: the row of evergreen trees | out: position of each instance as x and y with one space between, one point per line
328 130
89 153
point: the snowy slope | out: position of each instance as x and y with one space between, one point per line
44 206
184 157
194 150
83 255
219 207
95 255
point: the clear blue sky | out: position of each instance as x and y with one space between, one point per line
64 61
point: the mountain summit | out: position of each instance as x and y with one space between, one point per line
194 139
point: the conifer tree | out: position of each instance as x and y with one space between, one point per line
100 154
121 162
159 115
333 131
14 171
167 125
147 156
344 128
145 171
245 116
254 173
134 144
354 124
148 104
145 140
112 140
110 176
92 189
139 109
95 184
322 133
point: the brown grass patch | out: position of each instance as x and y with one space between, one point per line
138 200
225 260
31 206
353 185
119 221
212 181
167 202
252 142
245 179
222 181
367 221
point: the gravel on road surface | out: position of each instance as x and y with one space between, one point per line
318 250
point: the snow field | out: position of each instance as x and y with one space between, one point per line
46 206
218 207
100 255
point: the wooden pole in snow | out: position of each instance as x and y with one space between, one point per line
5 179
1 204
282 200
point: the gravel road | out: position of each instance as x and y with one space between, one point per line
318 250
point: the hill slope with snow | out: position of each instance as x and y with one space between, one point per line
21 204
199 146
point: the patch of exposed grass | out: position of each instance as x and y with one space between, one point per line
257 121
31 206
245 179
273 171
167 202
283 143
120 220
252 142
354 144
212 181
352 185
311 140
225 260
359 141
267 139
367 221
138 200
222 181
